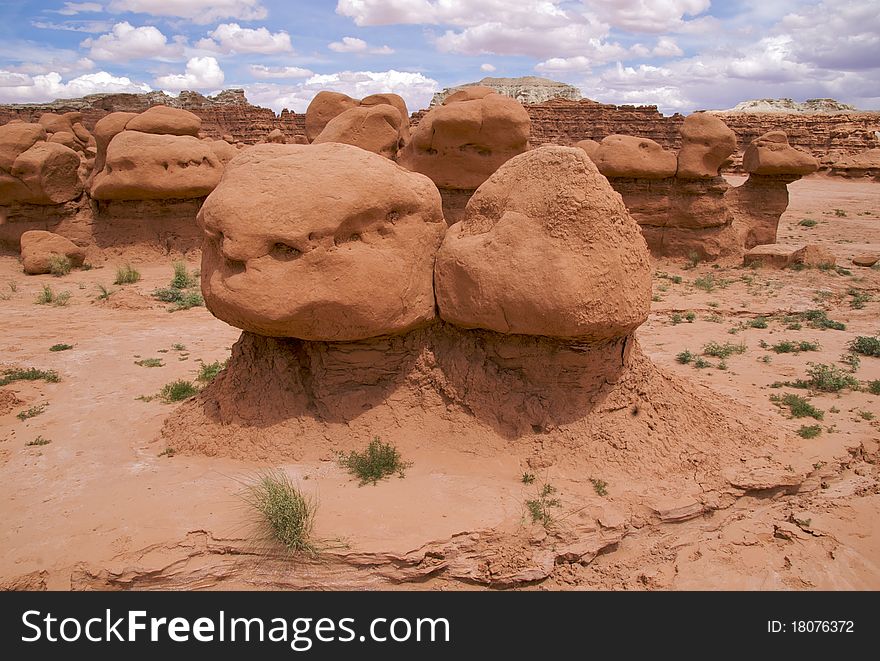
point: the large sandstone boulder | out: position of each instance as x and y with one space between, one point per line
166 121
706 142
16 138
144 166
780 256
374 128
589 146
324 107
546 247
53 123
320 242
105 129
395 101
38 248
462 142
771 154
629 156
50 173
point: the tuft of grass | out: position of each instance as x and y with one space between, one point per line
723 351
675 319
539 508
873 387
177 391
168 294
690 317
59 265
190 299
38 441
105 293
527 478
167 452
182 278
830 378
819 319
32 412
788 346
29 374
706 282
150 362
758 322
808 222
685 357
177 346
811 431
693 260
858 298
699 363
208 371
599 486
798 406
61 347
866 415
378 461
852 361
287 515
126 275
48 297
866 346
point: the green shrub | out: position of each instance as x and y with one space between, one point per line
723 351
539 508
38 441
32 412
858 298
208 371
177 391
808 222
787 346
685 357
811 431
190 299
29 374
873 387
60 347
830 378
59 265
798 406
126 275
758 322
819 319
287 515
866 346
150 362
182 279
376 462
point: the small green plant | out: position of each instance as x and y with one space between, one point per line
32 412
190 299
685 357
287 515
693 260
706 282
700 364
722 365
808 222
150 362
723 351
690 317
208 371
378 461
873 386
126 275
105 293
177 391
840 213
866 346
798 406
29 374
851 360
809 431
819 319
527 478
599 486
48 297
795 326
842 271
766 358
168 295
177 346
539 508
788 346
675 319
61 347
758 322
59 265
167 452
858 298
38 441
829 378
182 278
866 415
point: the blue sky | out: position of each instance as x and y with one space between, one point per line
682 55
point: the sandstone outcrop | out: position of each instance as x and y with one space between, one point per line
629 156
706 143
772 155
163 120
526 90
34 170
543 247
376 128
357 250
780 256
866 259
39 248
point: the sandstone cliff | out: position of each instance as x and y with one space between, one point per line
530 89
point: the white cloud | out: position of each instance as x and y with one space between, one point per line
262 71
488 68
48 87
232 38
648 15
199 11
502 39
415 88
54 64
359 46
201 73
666 47
74 8
126 42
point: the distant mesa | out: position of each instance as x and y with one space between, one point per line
808 107
530 89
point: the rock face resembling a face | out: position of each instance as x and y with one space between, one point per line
320 242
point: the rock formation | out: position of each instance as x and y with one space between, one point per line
34 170
366 123
706 143
359 259
530 89
780 256
629 156
39 248
810 106
460 143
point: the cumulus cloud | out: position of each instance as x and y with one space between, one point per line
358 46
415 88
201 73
648 15
489 68
126 42
199 11
262 71
50 86
666 47
232 38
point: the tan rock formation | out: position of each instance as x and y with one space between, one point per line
357 250
166 121
706 142
772 155
38 248
323 107
780 256
374 128
629 156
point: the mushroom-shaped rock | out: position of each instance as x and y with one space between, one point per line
460 143
374 128
706 142
143 166
630 156
166 121
546 247
324 107
397 102
771 154
320 242
589 146
18 137
50 173
38 248
105 129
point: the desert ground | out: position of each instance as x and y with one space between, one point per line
103 505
